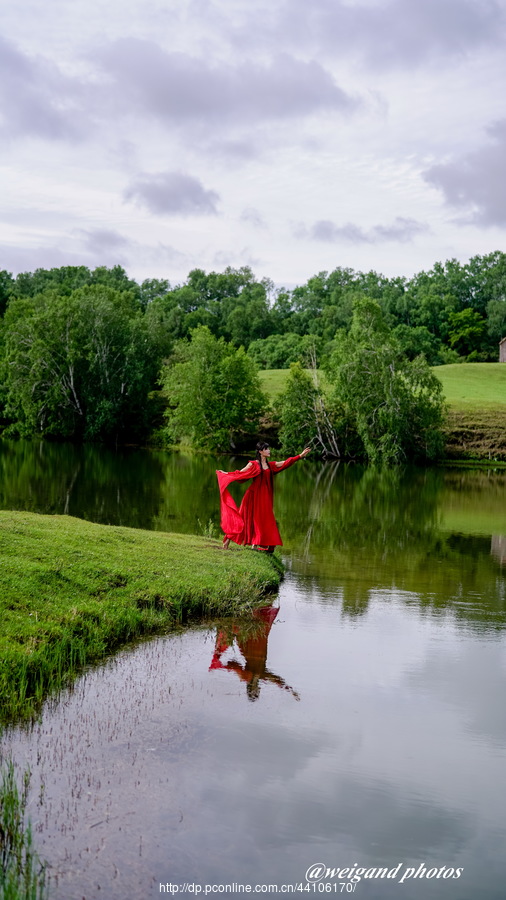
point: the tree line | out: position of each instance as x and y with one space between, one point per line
85 353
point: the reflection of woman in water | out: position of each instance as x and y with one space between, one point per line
253 646
253 523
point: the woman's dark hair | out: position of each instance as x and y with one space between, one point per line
261 446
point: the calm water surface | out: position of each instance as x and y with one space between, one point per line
361 722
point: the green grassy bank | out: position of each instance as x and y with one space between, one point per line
476 396
72 591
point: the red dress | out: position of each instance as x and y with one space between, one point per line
253 522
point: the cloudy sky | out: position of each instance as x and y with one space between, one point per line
289 135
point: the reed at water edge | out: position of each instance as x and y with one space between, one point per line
22 873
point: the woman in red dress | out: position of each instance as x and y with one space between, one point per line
253 522
252 644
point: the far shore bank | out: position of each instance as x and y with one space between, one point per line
72 591
476 434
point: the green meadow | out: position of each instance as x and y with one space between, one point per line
72 591
474 385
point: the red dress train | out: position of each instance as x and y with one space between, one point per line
253 522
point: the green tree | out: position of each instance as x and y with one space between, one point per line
6 284
152 289
496 323
486 280
63 280
79 365
467 330
232 304
3 377
396 404
278 350
417 339
323 303
67 279
116 278
213 391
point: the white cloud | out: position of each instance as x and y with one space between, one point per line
177 88
100 239
476 182
401 230
36 98
384 35
252 217
172 193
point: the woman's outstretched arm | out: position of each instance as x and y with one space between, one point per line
294 458
246 468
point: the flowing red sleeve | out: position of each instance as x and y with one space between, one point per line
231 519
285 465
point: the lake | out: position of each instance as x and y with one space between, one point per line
353 730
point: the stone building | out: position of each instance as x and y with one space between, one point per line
502 350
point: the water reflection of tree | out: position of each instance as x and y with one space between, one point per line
117 487
365 530
124 486
189 496
350 507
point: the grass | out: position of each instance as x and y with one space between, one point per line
478 386
22 875
72 591
273 381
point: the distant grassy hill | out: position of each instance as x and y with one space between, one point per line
476 394
274 381
473 385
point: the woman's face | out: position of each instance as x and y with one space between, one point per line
266 452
